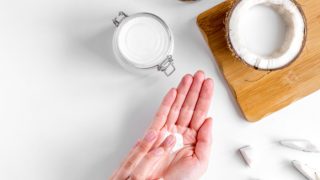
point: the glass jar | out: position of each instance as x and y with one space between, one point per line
143 41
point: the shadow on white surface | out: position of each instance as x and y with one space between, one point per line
89 54
89 43
230 94
100 44
136 122
287 167
95 42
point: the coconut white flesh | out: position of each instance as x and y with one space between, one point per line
305 170
248 155
289 48
301 145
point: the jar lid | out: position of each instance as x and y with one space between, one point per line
143 40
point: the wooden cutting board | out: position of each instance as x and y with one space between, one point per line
260 93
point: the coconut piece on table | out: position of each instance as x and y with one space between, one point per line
248 155
305 170
301 145
290 47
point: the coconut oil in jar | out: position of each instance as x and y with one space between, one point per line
142 42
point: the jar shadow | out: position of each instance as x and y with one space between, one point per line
100 44
89 42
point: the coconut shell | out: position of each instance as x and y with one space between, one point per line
233 5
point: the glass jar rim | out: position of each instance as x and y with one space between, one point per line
154 63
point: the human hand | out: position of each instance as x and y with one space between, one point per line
184 111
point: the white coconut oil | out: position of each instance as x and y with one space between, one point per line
144 41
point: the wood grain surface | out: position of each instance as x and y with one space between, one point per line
260 93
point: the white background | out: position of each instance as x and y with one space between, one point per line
68 111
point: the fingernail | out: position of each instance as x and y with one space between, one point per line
158 151
210 80
170 141
150 136
200 72
187 79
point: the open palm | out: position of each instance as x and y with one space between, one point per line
183 110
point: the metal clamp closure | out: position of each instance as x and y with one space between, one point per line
167 66
117 20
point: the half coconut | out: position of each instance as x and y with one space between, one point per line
292 40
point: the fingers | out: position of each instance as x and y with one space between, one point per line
190 102
161 116
203 105
134 158
182 92
204 140
144 169
146 166
117 174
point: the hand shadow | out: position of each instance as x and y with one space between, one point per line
137 121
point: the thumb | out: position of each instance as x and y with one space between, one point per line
204 141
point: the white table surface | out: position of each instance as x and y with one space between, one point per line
68 111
